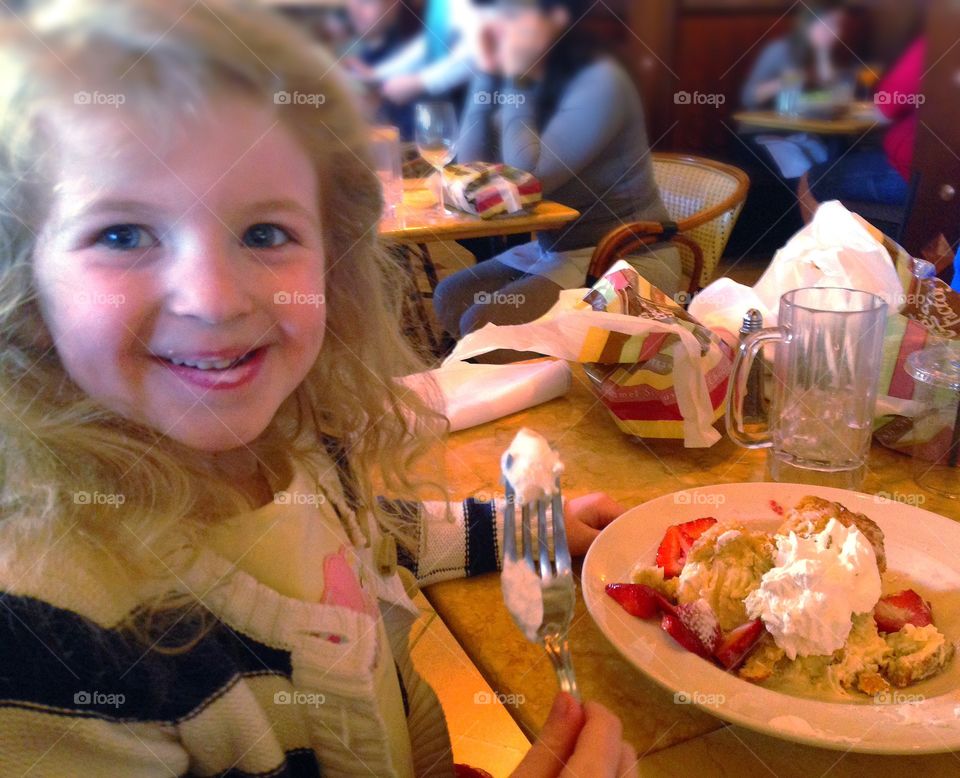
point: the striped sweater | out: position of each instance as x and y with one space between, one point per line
276 686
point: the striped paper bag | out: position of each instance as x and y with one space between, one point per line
658 371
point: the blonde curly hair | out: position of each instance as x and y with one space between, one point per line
167 57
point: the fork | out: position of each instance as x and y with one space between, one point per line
554 576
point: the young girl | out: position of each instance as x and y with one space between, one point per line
198 347
548 102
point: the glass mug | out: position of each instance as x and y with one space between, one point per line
825 372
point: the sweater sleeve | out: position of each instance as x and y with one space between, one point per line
477 138
589 114
453 540
772 62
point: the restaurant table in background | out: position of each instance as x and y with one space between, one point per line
848 124
671 738
416 222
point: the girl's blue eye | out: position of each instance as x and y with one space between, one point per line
265 236
125 237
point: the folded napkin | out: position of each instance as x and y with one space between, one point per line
475 394
486 189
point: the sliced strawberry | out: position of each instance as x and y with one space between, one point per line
699 618
737 643
694 529
640 600
672 554
675 628
895 610
637 599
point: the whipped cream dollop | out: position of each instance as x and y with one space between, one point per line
808 599
531 466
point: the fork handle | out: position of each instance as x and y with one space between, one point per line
558 649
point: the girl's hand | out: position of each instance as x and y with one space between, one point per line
586 516
579 740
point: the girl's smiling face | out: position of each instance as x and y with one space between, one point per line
182 279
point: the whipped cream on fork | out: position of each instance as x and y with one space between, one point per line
531 467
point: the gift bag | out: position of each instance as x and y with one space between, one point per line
487 189
657 370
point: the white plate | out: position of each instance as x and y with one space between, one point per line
923 551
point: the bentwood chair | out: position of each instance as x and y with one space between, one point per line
703 199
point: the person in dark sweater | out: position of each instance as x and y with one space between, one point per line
545 101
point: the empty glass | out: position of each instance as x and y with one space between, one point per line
829 346
385 151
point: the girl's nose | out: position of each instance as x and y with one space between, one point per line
208 281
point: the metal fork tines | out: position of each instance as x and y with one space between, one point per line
548 575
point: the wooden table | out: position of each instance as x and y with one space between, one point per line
842 125
672 739
417 221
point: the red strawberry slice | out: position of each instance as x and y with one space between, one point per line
895 610
637 599
672 554
736 644
699 618
694 529
640 600
675 628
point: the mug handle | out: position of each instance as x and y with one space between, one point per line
737 388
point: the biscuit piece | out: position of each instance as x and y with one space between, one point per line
916 653
811 515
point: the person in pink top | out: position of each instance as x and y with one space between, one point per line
881 174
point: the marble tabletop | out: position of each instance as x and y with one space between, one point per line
672 739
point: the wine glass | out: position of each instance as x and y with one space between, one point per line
436 134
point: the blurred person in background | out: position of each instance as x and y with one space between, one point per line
546 101
379 31
878 175
433 64
807 57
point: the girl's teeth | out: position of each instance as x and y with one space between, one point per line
219 364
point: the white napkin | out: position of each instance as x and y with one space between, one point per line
835 249
475 394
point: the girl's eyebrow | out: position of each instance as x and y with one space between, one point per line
138 206
282 204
